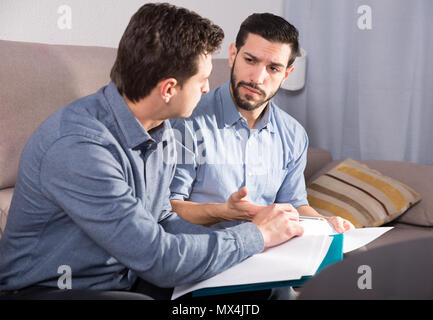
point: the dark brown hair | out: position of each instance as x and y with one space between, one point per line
161 41
272 28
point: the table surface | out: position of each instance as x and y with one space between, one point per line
401 270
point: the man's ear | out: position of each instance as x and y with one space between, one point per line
233 51
167 89
289 70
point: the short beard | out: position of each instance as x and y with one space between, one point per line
243 104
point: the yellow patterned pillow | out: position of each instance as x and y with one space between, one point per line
362 195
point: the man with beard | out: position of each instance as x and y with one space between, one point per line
238 151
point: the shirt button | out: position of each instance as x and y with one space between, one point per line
250 174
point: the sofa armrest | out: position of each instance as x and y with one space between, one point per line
316 159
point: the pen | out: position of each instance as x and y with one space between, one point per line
310 218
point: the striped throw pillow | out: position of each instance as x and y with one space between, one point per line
360 194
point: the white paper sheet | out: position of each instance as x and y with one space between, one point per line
357 238
316 227
353 239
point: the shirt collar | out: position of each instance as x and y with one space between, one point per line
230 112
265 121
232 115
133 131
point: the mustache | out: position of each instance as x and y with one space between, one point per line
252 86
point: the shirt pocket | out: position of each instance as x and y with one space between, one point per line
216 182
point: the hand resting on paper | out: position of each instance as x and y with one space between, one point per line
277 225
339 224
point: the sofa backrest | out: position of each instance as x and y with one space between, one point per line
220 73
37 79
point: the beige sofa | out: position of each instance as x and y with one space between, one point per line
37 79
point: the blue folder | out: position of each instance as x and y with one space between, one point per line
334 254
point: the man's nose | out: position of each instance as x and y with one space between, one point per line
258 75
206 87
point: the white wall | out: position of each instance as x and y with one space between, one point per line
102 22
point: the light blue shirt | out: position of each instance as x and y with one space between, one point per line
218 154
93 194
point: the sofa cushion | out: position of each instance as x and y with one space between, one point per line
420 178
5 202
360 194
37 79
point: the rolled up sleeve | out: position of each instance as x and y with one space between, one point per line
293 189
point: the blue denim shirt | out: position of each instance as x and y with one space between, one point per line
93 194
218 154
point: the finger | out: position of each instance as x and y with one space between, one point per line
336 223
341 225
300 230
348 225
240 194
293 215
285 206
295 229
344 225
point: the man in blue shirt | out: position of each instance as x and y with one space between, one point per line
91 210
239 152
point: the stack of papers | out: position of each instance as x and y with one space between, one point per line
292 260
